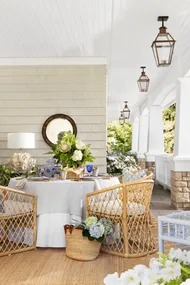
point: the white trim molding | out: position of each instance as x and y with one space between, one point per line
53 61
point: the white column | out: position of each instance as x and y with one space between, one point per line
135 135
156 133
143 136
182 121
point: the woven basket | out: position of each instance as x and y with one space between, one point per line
72 175
79 247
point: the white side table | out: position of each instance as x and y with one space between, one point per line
175 228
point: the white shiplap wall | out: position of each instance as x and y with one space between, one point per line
29 95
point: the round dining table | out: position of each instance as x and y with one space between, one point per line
59 202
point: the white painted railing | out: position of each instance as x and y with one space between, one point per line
163 165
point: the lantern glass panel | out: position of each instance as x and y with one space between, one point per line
163 48
143 83
126 113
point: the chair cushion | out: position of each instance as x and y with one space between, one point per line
14 207
115 208
130 176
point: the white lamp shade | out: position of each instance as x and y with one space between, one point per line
21 140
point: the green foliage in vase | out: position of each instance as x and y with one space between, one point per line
71 151
169 128
6 173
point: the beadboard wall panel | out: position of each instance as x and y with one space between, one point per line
29 95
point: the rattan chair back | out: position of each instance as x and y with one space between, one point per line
17 221
127 206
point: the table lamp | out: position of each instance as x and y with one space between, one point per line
21 140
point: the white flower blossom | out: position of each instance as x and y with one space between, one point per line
186 282
96 230
130 277
155 265
77 155
80 145
90 221
171 272
113 279
64 147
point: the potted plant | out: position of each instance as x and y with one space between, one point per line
72 154
84 240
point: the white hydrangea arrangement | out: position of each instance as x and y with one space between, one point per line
71 151
95 229
22 162
171 269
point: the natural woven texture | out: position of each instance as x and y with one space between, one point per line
79 247
127 206
17 221
149 176
73 175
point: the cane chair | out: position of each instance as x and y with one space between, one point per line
127 206
17 221
149 176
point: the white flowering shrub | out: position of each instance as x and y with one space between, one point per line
117 162
21 162
171 269
96 230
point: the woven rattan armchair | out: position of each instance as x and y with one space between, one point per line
127 206
149 176
17 221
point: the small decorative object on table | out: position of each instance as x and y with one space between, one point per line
72 154
84 240
89 168
171 269
95 171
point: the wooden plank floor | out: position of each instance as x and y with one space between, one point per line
52 267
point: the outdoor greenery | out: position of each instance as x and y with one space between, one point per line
119 137
118 145
119 141
169 128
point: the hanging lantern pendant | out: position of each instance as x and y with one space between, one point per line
126 111
163 45
122 118
143 82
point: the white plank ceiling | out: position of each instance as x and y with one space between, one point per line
120 30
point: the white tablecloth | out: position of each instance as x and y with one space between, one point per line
60 202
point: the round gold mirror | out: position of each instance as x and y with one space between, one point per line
56 124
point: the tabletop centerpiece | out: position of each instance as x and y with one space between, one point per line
85 238
72 153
